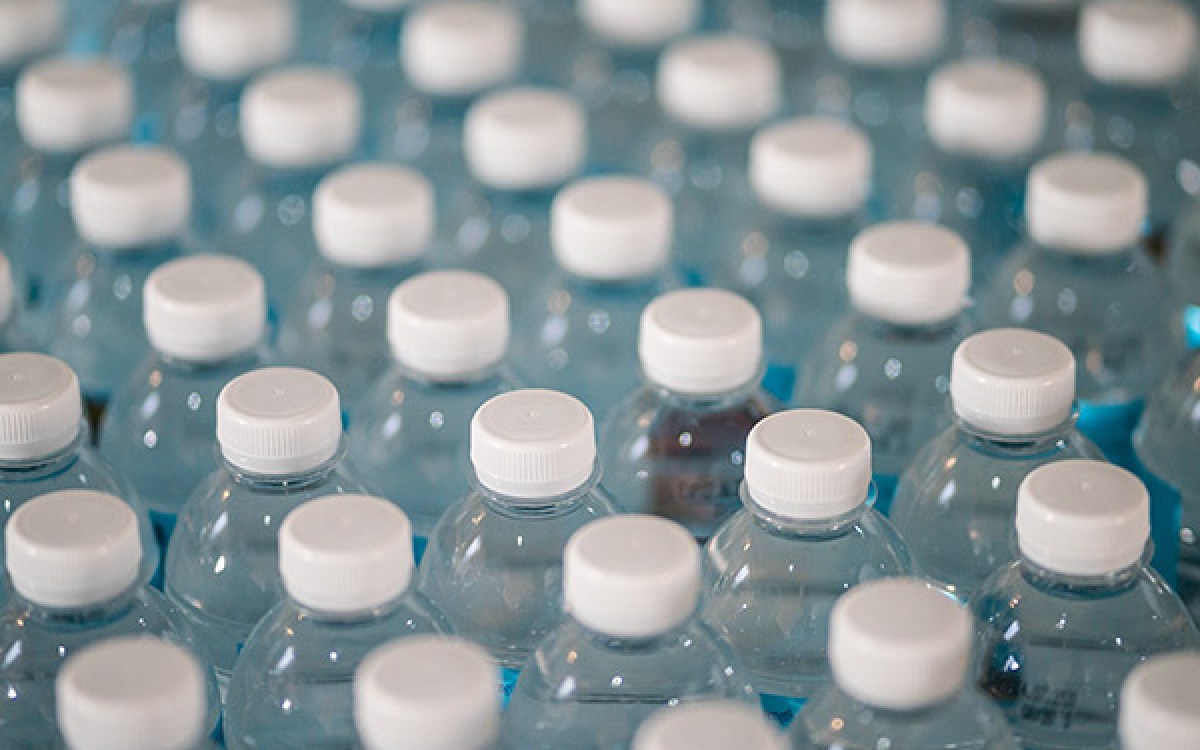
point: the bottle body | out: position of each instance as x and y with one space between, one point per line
141 37
366 45
501 234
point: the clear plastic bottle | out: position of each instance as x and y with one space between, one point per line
205 317
222 44
900 654
1012 391
141 37
1182 268
1139 83
494 561
632 642
297 124
520 145
31 29
1038 33
13 335
449 333
1160 704
807 534
64 108
74 560
347 567
427 692
45 445
1061 628
886 364
612 238
1083 277
675 446
712 92
811 179
373 224
881 53
131 206
708 725
986 122
362 38
280 434
132 692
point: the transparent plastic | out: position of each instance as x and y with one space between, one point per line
366 45
770 585
141 37
1053 649
956 505
681 456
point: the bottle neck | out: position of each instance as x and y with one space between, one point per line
24 470
81 617
546 506
285 483
1044 443
807 528
912 332
198 368
458 381
1083 586
351 618
710 401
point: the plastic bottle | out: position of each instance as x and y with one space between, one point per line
280 434
612 238
448 332
1012 392
74 560
132 692
222 44
494 561
675 446
1182 268
900 655
427 693
30 28
362 38
886 364
141 37
373 224
13 337
45 445
807 534
521 144
795 29
986 121
1062 627
1159 709
64 108
131 207
712 92
297 124
346 564
1139 84
708 725
632 642
1039 33
205 317
1083 278
881 53
811 179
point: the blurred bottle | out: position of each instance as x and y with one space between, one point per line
28 30
140 36
1160 704
795 28
13 334
361 38
707 725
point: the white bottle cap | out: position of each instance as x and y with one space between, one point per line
73 548
724 82
885 33
1159 707
231 40
446 325
700 341
461 48
1082 517
1136 42
131 693
125 197
611 228
373 215
811 167
896 644
631 576
525 138
28 28
908 273
1012 381
427 692
1086 203
301 118
67 105
808 464
278 420
7 297
988 109
345 553
638 23
533 443
708 725
205 308
40 406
